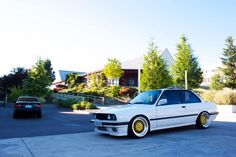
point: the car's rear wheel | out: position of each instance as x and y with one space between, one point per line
203 120
15 115
138 127
39 114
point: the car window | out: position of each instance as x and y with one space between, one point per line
189 97
172 97
28 99
149 97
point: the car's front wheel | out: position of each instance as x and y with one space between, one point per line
203 120
138 127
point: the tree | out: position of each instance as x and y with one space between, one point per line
73 79
49 69
97 80
185 60
154 74
217 82
13 79
113 69
38 80
229 63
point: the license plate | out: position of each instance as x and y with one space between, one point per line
28 106
97 123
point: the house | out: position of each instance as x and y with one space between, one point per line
130 67
59 85
64 73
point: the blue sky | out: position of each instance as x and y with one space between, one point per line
81 35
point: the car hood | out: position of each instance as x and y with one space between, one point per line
123 108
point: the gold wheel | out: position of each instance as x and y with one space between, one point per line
138 126
203 119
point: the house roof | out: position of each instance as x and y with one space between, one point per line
137 63
64 73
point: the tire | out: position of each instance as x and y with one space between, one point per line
39 114
138 127
15 115
203 120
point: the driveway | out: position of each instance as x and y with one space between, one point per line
217 141
54 121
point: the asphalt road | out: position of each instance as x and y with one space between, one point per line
218 140
54 121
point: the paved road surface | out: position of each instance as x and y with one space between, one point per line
54 121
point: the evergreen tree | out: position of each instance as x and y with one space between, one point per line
154 74
216 82
229 63
49 69
185 60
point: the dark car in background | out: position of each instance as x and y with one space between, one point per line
27 104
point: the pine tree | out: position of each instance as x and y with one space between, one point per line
185 60
154 74
229 63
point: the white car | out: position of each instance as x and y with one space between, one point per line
155 110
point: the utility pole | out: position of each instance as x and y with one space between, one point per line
186 79
139 76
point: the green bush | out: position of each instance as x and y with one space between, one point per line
221 97
42 100
14 93
83 105
66 103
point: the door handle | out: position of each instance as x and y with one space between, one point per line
183 106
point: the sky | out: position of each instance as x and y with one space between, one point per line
80 35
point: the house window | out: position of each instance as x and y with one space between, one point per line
113 82
131 82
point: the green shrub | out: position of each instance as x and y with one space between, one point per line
42 100
66 103
83 105
14 93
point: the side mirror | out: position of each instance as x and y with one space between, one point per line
162 102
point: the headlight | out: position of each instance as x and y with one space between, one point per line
111 117
94 116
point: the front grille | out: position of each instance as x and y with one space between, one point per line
101 116
102 128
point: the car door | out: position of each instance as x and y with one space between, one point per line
192 104
172 112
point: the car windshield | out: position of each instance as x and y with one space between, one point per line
28 99
149 97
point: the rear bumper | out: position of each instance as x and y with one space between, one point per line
27 110
112 128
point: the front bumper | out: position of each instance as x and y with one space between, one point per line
111 128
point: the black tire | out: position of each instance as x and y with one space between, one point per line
138 127
39 114
203 120
15 115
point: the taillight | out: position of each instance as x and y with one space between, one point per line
18 106
38 106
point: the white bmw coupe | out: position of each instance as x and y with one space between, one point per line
155 110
